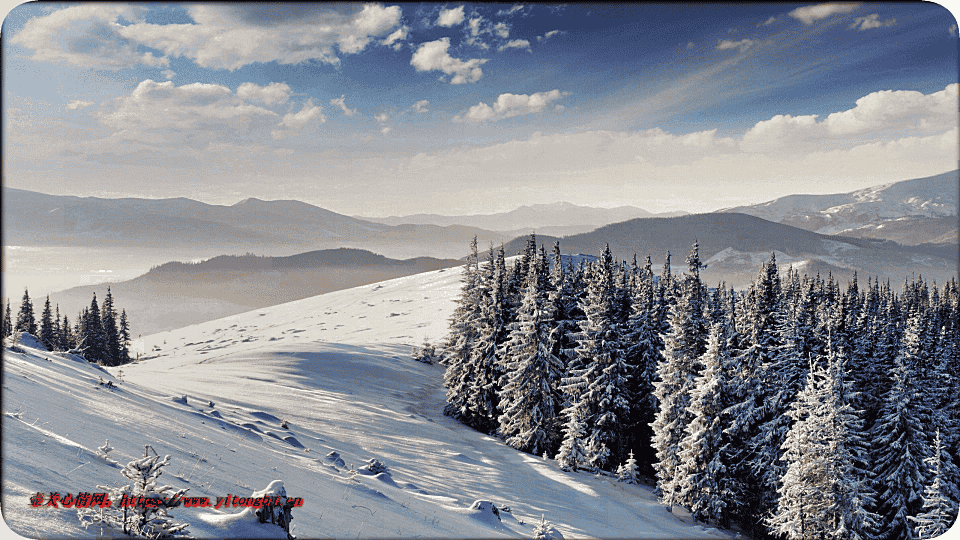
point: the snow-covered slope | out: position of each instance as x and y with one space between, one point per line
933 197
336 368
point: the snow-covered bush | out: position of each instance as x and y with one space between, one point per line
546 531
426 354
278 514
141 508
374 467
628 471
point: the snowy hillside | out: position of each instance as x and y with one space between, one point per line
271 395
933 197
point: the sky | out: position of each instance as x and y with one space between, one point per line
392 109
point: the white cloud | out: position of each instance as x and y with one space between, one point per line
812 14
385 130
450 17
308 113
548 35
394 39
271 94
508 105
420 106
168 73
382 117
743 44
511 11
433 56
78 104
769 21
953 30
222 36
341 102
880 114
502 30
871 21
515 44
474 26
86 35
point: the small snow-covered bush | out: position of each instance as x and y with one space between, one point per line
374 467
628 471
546 531
426 354
278 514
485 506
141 508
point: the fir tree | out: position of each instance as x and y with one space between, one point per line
47 335
627 472
7 325
108 320
25 318
702 469
124 334
463 333
93 336
572 456
939 510
677 372
528 421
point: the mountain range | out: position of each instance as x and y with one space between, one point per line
556 219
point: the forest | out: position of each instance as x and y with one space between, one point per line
797 408
99 335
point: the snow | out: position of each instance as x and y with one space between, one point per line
335 369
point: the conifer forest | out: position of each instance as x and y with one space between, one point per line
799 408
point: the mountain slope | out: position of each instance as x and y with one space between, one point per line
925 202
336 368
734 245
175 294
556 218
251 224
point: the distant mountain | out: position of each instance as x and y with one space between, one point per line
37 219
176 294
559 219
733 245
923 210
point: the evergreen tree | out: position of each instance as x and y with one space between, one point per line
67 339
47 335
25 318
463 334
900 446
124 338
57 330
94 338
7 325
572 456
939 510
677 372
627 472
108 320
703 475
528 421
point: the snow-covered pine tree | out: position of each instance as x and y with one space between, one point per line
628 472
528 421
602 376
47 335
67 338
463 333
939 510
26 322
6 328
572 456
677 372
702 473
94 338
486 370
143 520
643 350
563 300
124 335
108 320
900 444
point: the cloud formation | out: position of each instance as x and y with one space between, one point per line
743 44
450 17
812 14
271 94
433 56
341 102
420 106
515 44
222 36
77 104
508 105
871 21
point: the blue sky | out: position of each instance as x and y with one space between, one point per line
382 109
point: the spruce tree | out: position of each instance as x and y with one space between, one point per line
463 334
7 325
528 421
47 335
108 320
939 510
25 318
703 474
124 338
94 338
677 371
